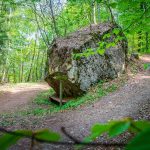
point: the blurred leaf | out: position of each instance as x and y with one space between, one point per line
96 131
99 129
140 142
146 66
99 1
118 128
47 135
113 5
8 140
137 126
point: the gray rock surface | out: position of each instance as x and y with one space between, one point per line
80 74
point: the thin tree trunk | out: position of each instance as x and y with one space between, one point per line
99 12
4 72
38 25
3 75
14 74
146 41
142 8
110 11
37 65
21 73
133 42
32 61
42 66
53 17
21 67
139 41
94 12
7 76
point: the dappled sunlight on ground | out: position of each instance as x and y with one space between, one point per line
145 58
14 97
143 77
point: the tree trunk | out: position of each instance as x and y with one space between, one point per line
21 72
42 66
37 65
14 74
3 75
94 12
139 41
147 41
99 12
32 61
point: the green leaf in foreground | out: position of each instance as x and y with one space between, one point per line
96 131
118 128
99 129
47 135
138 126
8 140
113 5
140 142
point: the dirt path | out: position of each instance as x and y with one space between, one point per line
14 97
131 100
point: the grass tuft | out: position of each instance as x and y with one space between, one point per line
44 106
146 66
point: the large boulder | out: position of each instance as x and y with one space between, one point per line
79 74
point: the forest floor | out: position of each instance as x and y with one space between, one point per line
131 100
17 96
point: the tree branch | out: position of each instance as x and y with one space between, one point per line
75 141
136 20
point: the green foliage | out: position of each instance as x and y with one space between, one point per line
118 127
3 32
9 139
139 126
44 106
46 135
71 18
105 43
140 141
96 131
113 5
115 128
42 98
146 66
